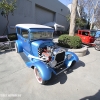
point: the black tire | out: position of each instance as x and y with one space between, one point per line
97 47
73 63
38 76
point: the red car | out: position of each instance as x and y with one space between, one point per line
87 36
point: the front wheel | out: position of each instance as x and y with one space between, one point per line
38 76
97 47
73 63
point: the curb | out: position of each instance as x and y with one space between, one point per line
80 52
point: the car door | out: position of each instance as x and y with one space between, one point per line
85 37
92 36
25 40
92 39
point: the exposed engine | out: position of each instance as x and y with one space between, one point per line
54 56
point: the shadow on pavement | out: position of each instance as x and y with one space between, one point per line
62 78
77 65
94 97
88 52
6 51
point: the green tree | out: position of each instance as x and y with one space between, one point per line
80 22
7 7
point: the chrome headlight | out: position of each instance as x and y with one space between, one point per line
68 56
52 63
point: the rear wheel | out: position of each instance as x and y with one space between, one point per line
38 76
97 47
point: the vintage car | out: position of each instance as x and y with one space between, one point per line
87 36
45 57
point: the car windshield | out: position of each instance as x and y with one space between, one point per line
92 33
41 34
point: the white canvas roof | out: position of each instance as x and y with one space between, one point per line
28 26
55 25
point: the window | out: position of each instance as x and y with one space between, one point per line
24 33
92 33
85 33
40 35
18 30
61 9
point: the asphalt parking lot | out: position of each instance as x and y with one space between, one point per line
81 82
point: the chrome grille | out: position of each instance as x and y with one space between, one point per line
60 57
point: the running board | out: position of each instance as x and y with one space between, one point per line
60 70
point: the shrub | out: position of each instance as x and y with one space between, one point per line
69 41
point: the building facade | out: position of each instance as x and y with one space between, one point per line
37 12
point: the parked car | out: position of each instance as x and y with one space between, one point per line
96 44
87 36
97 33
35 41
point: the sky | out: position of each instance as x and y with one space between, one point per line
66 2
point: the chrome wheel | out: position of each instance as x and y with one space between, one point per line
97 47
38 76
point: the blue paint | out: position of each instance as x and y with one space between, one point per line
97 33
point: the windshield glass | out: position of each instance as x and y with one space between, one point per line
92 33
41 34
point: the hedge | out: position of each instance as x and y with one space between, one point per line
72 42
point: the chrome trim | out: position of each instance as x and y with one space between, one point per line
59 64
61 71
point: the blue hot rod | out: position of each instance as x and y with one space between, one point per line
45 57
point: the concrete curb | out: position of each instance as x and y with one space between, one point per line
80 52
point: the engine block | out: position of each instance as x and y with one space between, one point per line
53 56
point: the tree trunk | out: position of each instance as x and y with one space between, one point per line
6 29
73 17
92 20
